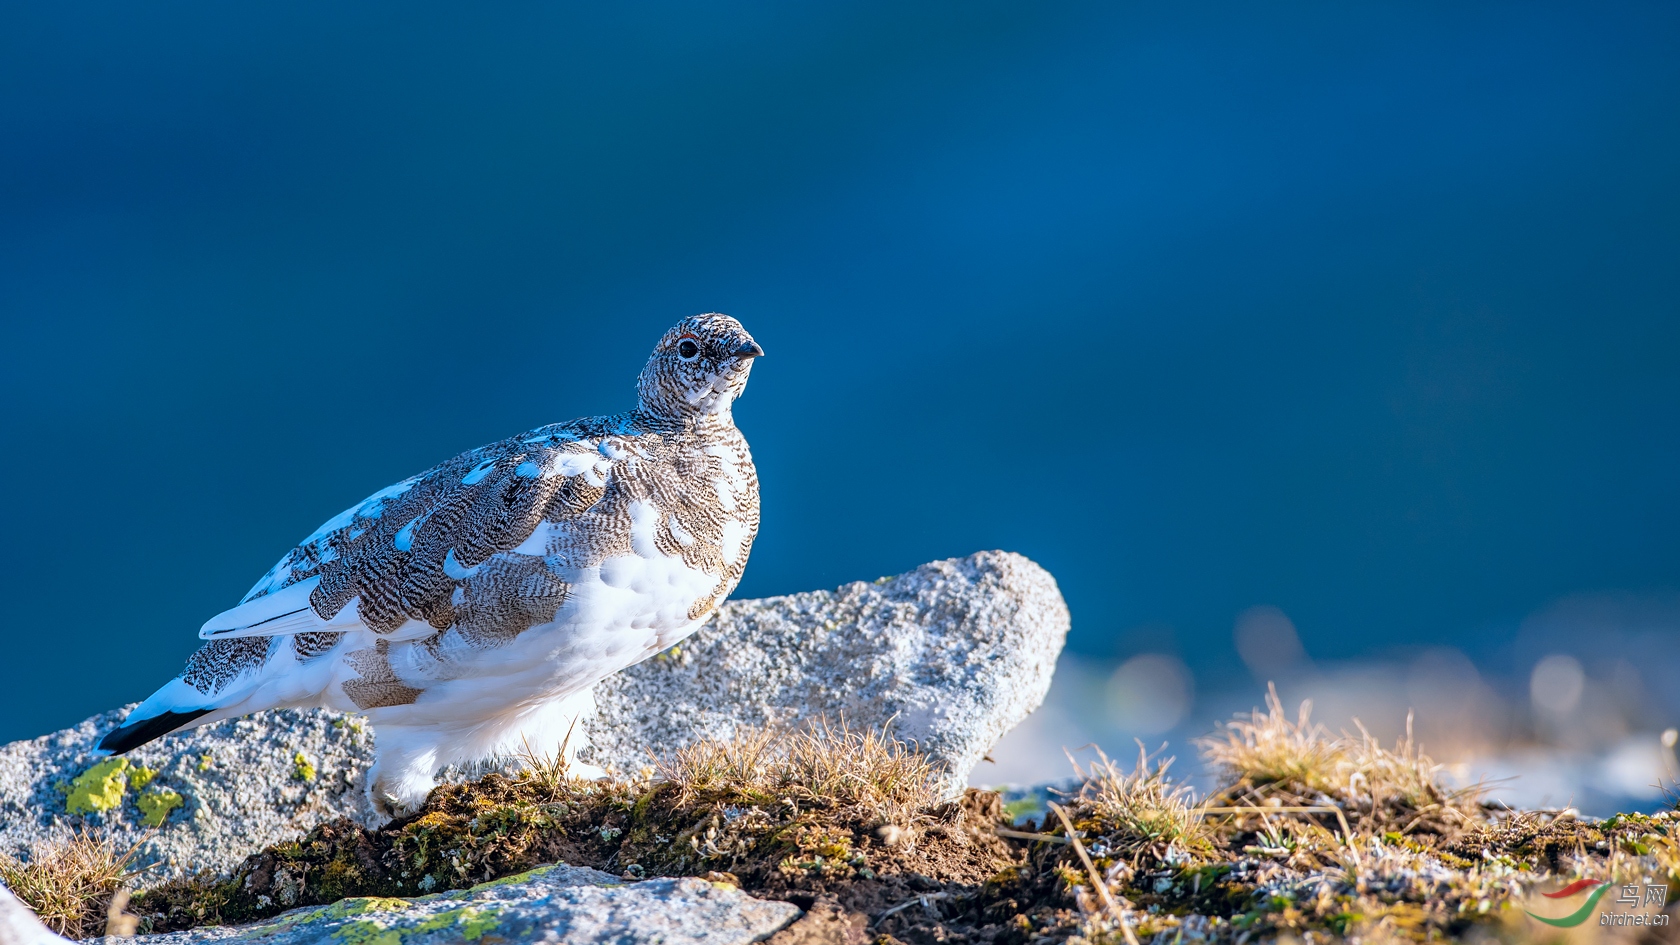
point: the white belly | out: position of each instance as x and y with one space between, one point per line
616 615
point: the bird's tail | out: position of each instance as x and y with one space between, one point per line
170 709
135 732
225 678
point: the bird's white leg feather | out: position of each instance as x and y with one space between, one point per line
403 770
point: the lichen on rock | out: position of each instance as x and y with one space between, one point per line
468 922
234 778
99 788
360 905
156 803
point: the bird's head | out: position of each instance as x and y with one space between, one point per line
698 368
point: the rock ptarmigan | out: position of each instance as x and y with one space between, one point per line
472 607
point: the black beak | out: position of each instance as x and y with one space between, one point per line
749 350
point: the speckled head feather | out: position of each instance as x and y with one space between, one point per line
464 607
698 369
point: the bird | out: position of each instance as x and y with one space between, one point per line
467 611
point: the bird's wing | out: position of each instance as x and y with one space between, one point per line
392 563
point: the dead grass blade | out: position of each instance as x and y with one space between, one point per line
1096 877
1036 837
1347 832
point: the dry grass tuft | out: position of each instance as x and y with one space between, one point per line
1270 760
69 882
1142 815
825 765
1270 749
737 766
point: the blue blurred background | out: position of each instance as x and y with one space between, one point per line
1328 343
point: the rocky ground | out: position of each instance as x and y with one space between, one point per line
787 828
1310 838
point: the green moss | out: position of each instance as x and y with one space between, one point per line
139 777
99 788
302 768
156 804
1021 808
341 876
510 880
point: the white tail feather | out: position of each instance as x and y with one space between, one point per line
281 613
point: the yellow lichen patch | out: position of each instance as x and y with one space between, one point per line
368 933
139 777
156 804
99 788
470 922
467 923
302 768
475 922
362 905
204 761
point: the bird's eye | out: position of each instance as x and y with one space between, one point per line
687 349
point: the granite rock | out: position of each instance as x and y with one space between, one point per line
951 655
551 904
